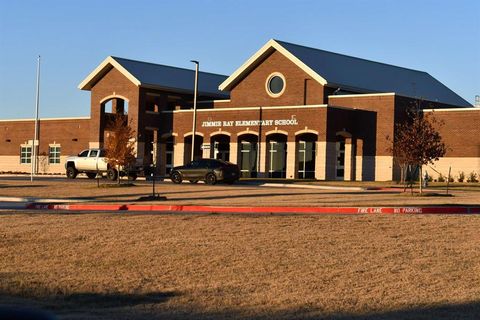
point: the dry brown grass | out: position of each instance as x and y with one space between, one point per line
237 195
100 266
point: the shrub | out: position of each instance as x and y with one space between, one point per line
472 177
451 179
461 176
441 178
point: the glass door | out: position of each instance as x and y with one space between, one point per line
278 156
248 159
306 159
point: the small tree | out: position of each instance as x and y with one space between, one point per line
417 141
119 147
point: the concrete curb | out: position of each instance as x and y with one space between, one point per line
310 186
219 209
37 200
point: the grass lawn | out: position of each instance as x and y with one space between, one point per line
117 266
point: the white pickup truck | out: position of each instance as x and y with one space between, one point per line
93 162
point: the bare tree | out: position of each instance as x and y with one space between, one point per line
417 141
119 147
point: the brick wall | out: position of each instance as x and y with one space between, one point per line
460 131
182 121
64 132
300 89
383 106
113 83
71 134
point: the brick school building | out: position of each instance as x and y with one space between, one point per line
289 112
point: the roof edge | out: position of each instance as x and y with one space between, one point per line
100 70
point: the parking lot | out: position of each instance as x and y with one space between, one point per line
245 193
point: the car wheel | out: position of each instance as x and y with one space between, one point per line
176 177
112 174
132 177
211 179
193 181
71 172
91 175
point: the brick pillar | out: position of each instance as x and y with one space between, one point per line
233 152
97 124
330 160
348 160
320 160
178 152
206 152
161 158
139 151
118 106
262 160
359 160
291 163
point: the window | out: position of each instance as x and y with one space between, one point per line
93 153
275 84
54 154
84 153
26 154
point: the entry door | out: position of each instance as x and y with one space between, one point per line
221 151
340 163
277 168
248 159
306 159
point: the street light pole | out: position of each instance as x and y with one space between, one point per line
33 154
194 127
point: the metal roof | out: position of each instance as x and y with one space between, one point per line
158 76
356 74
168 77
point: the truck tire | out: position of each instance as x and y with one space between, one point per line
91 175
112 174
71 172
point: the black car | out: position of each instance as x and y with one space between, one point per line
209 170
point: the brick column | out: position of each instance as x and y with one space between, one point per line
97 124
178 151
262 158
291 163
233 152
320 160
330 160
118 106
359 160
348 160
161 157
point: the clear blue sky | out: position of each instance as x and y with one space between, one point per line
438 36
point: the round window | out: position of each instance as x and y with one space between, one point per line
275 85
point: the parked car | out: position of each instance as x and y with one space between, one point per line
209 170
91 162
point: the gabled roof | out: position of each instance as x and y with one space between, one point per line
352 74
157 76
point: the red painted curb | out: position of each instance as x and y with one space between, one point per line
219 209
